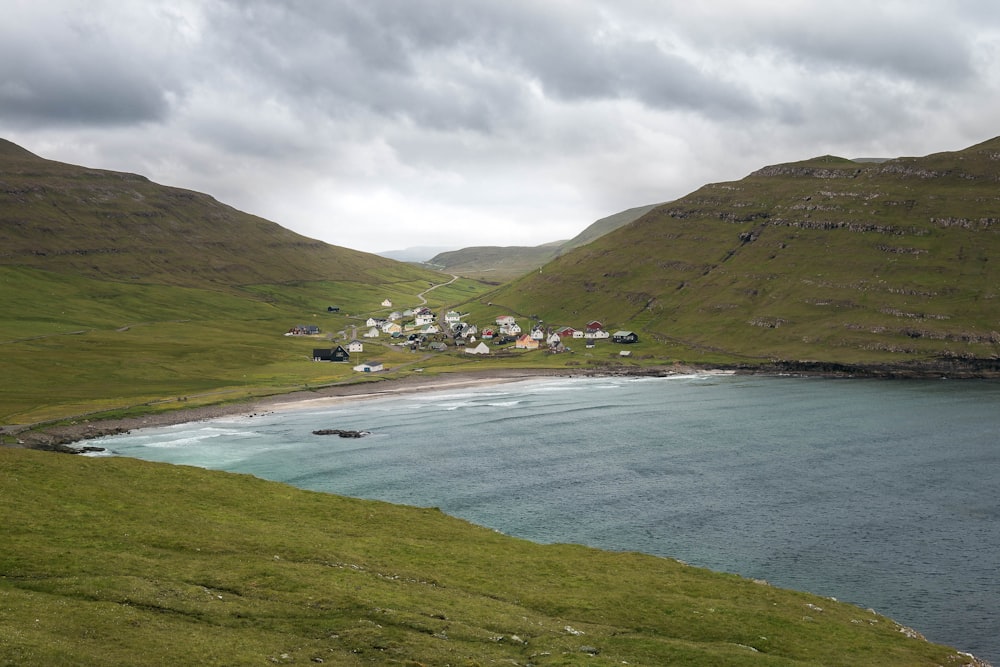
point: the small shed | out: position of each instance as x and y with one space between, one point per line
370 367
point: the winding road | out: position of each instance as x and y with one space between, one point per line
420 296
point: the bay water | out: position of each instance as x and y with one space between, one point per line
885 494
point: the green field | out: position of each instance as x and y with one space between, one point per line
114 561
74 345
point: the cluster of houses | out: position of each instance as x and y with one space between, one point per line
419 320
303 330
420 327
507 330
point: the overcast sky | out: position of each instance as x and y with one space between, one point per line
379 125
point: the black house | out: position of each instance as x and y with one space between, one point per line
336 354
625 337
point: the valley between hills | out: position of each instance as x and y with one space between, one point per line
125 299
122 294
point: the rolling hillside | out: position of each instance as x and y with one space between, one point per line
827 260
502 263
120 294
118 226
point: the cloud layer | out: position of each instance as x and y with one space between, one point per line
389 124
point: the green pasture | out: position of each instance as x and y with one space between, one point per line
125 562
71 345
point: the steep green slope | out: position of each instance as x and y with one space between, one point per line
604 226
826 259
122 562
119 226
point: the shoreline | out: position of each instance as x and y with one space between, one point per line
66 438
63 437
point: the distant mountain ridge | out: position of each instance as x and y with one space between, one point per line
417 254
508 262
827 259
122 226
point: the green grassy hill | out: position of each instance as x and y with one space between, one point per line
497 264
826 260
504 263
118 293
110 225
113 561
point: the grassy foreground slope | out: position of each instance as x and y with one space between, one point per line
119 561
827 260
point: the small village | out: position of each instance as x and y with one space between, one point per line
421 329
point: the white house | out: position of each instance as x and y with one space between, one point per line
538 334
370 367
372 333
387 303
375 321
482 348
395 315
423 318
430 329
355 346
510 328
554 339
596 333
452 316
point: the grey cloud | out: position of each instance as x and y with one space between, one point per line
89 97
74 72
913 41
393 58
349 60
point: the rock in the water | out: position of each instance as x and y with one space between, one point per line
342 433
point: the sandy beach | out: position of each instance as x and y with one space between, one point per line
68 438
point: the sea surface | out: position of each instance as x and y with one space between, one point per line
885 494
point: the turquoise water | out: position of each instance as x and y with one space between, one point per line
885 494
